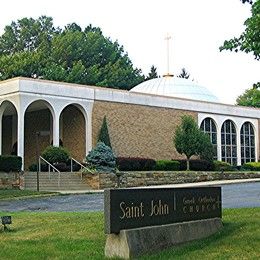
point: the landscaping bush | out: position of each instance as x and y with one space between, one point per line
54 154
167 165
33 167
251 166
10 163
102 158
197 165
222 166
135 164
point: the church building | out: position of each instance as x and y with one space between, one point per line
141 122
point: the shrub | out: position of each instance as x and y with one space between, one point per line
135 164
33 167
104 134
197 165
54 154
251 166
102 158
10 163
167 165
222 166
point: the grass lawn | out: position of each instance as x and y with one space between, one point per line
15 194
81 236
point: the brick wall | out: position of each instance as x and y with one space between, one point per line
137 130
7 135
35 121
73 132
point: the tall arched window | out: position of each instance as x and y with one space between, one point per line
247 139
229 142
208 126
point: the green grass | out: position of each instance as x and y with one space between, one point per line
17 194
81 236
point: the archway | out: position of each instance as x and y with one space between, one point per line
9 128
38 117
73 131
229 142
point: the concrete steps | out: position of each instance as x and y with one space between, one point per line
68 181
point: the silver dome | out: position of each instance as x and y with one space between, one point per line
175 87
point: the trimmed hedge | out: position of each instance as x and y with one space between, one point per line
54 154
196 165
251 166
223 166
10 163
62 167
135 164
167 165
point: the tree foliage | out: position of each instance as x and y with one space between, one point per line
249 40
35 48
104 134
102 158
190 140
152 74
251 98
184 74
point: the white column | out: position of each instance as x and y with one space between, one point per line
88 132
219 144
20 136
1 129
238 149
56 130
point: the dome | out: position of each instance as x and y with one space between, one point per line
175 87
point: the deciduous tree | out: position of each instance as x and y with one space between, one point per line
190 140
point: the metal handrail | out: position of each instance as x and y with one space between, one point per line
49 169
80 164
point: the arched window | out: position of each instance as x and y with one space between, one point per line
247 139
229 142
208 126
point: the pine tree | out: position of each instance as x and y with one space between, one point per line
104 134
153 73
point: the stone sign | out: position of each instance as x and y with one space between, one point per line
135 208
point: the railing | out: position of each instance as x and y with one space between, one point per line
80 164
54 169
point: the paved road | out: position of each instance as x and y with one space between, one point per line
233 196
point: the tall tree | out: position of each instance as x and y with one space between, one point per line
152 74
190 140
251 98
35 48
249 40
184 74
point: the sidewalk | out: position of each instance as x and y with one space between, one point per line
180 185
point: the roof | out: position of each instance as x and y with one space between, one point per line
176 87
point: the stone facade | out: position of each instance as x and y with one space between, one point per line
138 179
10 180
139 131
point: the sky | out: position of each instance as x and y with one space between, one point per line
197 29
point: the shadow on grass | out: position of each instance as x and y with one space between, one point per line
184 250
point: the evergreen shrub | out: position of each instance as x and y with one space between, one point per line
104 134
223 166
135 164
55 155
102 158
197 165
251 166
167 165
10 163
